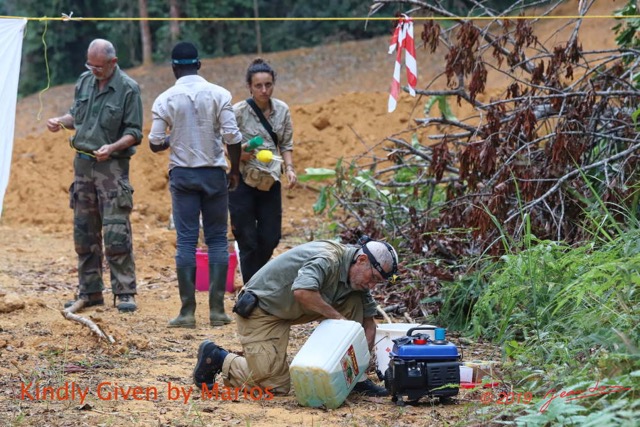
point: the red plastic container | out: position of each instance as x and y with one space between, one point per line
231 271
202 270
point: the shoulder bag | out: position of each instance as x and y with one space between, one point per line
252 176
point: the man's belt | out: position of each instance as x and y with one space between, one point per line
93 158
85 157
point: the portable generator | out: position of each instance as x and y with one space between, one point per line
420 366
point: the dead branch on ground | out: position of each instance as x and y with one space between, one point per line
69 315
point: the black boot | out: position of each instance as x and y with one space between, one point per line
217 285
368 388
208 364
187 288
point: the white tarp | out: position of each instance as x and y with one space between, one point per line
11 34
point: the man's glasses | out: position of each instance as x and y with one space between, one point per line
94 68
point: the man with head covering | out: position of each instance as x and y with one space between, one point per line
199 118
314 281
107 118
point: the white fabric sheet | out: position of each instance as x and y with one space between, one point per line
11 34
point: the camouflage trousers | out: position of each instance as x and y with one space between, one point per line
102 198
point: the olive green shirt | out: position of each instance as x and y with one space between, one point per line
103 117
250 126
321 266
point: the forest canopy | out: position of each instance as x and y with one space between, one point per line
65 42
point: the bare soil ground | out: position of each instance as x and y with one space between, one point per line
338 97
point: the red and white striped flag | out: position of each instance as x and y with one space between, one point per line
402 39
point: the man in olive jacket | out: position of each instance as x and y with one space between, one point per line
107 118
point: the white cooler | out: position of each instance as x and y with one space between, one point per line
331 362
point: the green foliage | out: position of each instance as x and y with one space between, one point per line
627 37
507 307
317 174
564 304
619 408
459 297
389 203
626 30
443 106
571 312
299 33
566 317
546 289
66 42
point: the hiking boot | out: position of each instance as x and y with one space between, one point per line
126 303
368 388
84 301
208 364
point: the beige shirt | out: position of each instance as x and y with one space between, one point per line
201 119
250 125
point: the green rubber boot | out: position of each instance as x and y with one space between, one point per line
217 285
187 288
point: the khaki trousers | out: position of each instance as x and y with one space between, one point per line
264 340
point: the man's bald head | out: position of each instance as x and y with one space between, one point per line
103 48
383 257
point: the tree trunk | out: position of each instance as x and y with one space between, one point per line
219 28
174 26
145 34
258 34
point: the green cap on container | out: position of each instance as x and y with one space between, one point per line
254 142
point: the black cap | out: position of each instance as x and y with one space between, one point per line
184 53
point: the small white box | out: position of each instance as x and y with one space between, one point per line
466 374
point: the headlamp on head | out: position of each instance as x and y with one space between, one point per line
390 276
184 53
190 61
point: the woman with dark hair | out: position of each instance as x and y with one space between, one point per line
256 205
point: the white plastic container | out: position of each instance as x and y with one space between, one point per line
330 363
466 374
386 333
